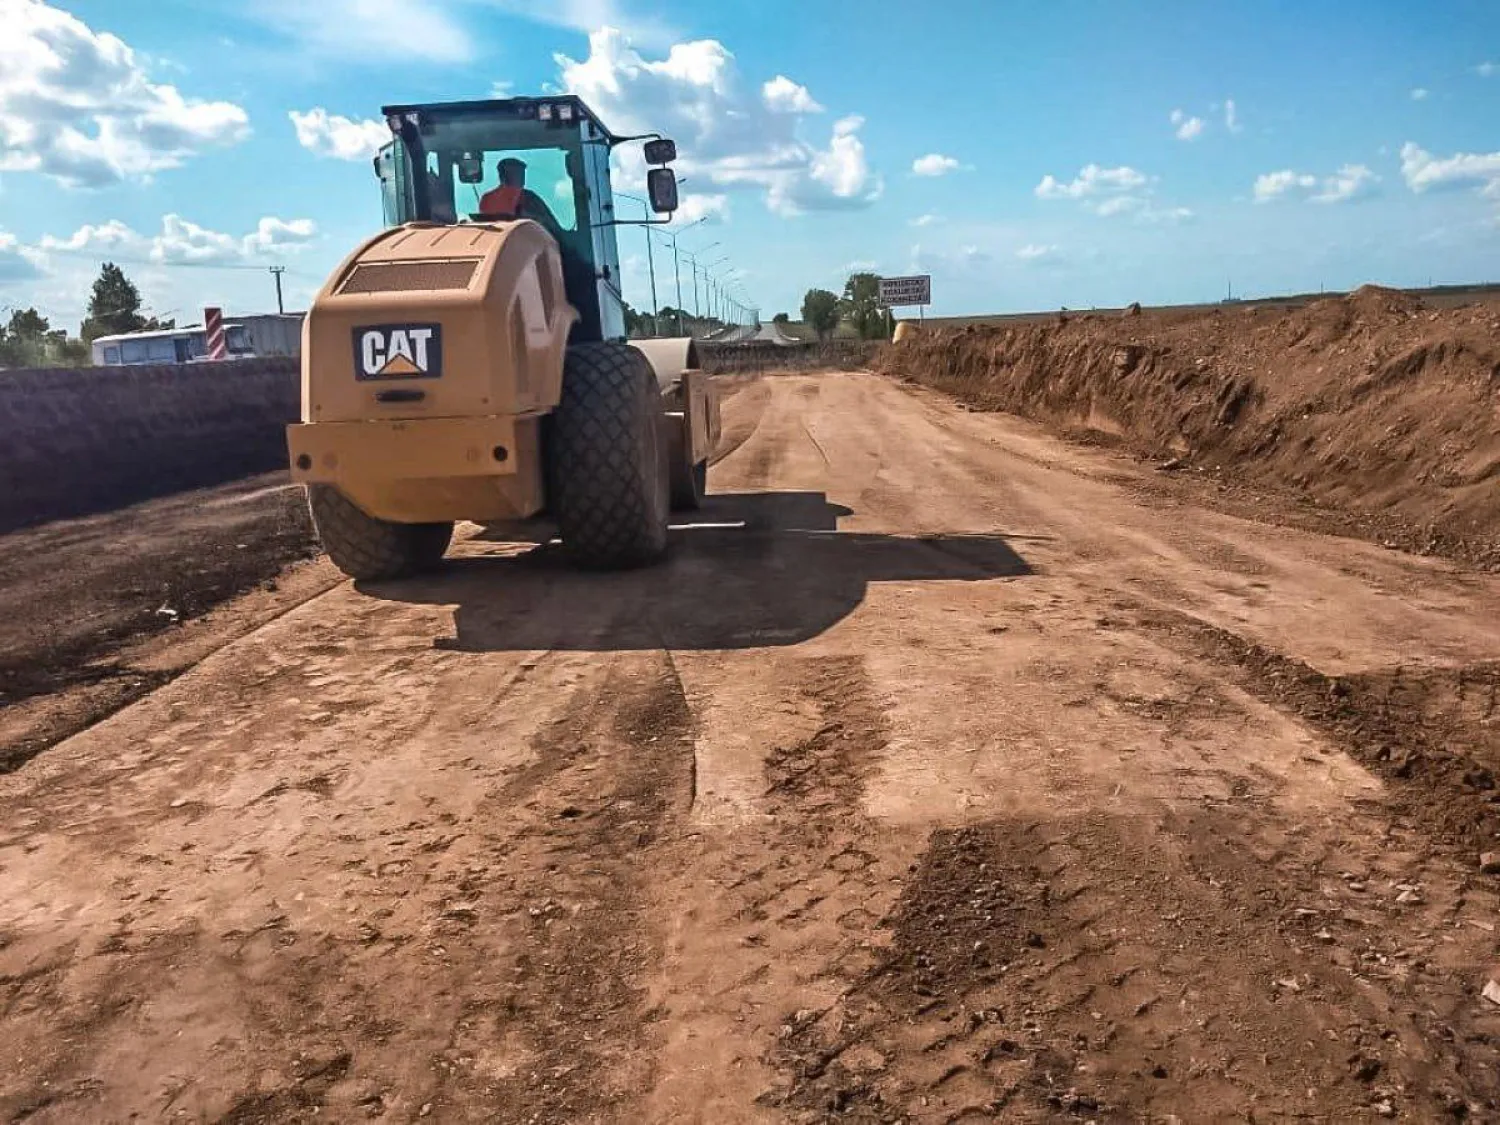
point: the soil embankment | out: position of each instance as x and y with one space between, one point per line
1371 405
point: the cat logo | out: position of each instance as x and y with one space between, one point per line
398 351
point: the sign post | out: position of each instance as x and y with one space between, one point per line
898 292
213 331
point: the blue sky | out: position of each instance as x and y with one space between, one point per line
1077 153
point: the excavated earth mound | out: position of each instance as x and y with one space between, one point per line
1370 404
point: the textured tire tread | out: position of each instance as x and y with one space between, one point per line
611 506
372 550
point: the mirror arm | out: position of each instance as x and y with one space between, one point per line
635 223
614 140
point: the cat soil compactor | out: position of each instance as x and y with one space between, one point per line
470 362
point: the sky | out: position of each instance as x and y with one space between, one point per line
1075 153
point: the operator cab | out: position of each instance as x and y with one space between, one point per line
445 161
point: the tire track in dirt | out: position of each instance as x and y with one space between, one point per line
796 892
1014 987
610 781
1433 733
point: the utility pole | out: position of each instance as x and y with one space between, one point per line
276 272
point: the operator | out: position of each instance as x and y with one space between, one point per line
511 200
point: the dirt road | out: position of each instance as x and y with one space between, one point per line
84 603
946 773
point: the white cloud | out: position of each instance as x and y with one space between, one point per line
1231 116
837 177
1419 94
1352 181
1033 252
696 206
1275 185
501 88
1188 128
1109 192
15 264
112 233
369 31
925 220
1422 170
587 16
782 95
1141 209
727 134
1487 69
1118 205
964 259
78 105
1168 216
339 137
934 164
183 242
1092 181
273 235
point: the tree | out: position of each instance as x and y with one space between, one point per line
638 324
115 307
781 318
29 340
820 311
862 306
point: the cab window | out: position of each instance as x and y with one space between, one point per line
547 177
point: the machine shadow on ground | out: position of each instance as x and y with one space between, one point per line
747 570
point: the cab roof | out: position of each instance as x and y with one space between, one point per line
520 109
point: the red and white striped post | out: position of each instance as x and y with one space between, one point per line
213 329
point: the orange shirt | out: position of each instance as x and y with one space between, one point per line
503 200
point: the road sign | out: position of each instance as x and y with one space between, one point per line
898 291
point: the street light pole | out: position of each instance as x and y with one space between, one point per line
708 280
697 310
677 272
650 260
677 265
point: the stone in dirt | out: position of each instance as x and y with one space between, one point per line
1489 863
1492 991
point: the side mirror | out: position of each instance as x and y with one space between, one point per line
661 151
470 169
661 186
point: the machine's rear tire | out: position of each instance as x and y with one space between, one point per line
689 486
607 459
689 481
369 549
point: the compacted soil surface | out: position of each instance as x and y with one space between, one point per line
948 771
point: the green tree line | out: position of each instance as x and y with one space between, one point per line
28 339
859 307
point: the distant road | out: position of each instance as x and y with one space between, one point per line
744 334
772 332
